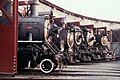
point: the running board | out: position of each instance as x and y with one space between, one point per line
30 41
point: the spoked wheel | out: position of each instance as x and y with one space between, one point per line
46 66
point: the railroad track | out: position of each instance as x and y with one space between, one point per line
105 70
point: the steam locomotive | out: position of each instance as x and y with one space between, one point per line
46 43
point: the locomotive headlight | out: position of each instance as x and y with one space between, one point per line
78 38
90 38
104 40
70 39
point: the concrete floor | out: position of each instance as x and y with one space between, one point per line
97 70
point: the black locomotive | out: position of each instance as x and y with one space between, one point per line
35 49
